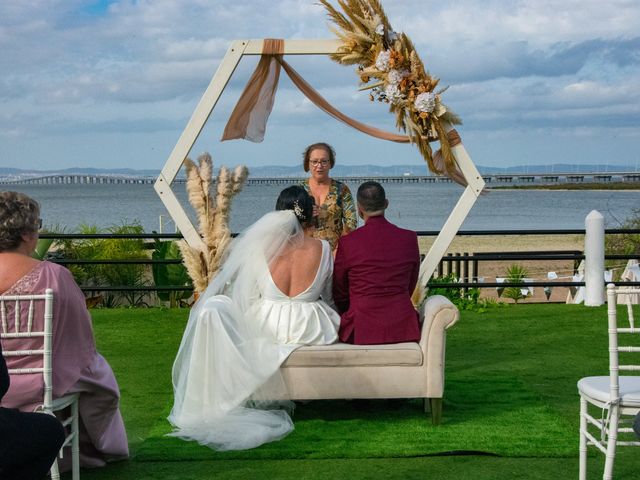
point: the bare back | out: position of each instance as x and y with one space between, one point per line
294 271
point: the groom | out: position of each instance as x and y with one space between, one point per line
375 272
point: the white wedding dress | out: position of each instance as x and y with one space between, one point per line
228 392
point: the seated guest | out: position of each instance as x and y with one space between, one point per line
77 366
375 273
29 442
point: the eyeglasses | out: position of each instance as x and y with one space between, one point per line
317 163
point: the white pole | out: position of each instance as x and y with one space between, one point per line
594 259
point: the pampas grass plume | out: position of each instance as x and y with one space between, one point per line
213 217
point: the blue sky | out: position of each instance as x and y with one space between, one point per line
111 84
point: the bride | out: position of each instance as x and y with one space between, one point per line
271 296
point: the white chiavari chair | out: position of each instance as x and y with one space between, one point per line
617 397
17 326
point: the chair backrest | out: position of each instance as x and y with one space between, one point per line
13 307
614 331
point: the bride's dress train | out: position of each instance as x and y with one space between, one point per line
229 394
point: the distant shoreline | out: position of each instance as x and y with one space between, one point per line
633 186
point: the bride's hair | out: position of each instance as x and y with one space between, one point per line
297 199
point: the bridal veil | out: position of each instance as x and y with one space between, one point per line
226 377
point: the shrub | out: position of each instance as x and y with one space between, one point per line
623 244
170 274
464 300
627 243
101 275
515 274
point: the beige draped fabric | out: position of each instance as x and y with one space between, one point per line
438 159
249 117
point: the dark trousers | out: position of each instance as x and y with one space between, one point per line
29 443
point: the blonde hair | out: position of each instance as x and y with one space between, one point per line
19 215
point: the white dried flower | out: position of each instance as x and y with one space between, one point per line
393 94
396 76
425 102
391 35
382 62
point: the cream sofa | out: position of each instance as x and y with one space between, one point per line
402 370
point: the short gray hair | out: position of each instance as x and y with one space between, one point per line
19 215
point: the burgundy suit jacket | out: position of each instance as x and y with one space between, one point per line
375 272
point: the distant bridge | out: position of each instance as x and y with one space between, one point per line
75 179
59 179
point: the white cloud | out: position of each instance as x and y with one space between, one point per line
141 66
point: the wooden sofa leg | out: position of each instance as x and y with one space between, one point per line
426 405
436 410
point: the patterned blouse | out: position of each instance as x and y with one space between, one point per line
337 215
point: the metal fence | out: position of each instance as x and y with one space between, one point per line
463 266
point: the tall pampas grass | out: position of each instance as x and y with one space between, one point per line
213 216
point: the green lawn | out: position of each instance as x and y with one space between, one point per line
511 407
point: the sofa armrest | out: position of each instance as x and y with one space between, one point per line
438 314
439 310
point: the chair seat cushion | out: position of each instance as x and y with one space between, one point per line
598 389
346 355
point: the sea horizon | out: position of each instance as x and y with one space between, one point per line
416 206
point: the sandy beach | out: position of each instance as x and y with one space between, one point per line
518 243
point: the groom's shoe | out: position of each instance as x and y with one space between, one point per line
636 425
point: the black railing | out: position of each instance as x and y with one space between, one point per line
463 266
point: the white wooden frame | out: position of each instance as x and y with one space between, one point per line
207 103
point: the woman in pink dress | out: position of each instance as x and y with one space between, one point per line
77 366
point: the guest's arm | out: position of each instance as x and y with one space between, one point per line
341 279
74 347
73 313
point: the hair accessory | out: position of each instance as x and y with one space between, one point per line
297 209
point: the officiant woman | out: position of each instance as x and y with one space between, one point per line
335 209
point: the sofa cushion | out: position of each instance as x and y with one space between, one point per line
346 355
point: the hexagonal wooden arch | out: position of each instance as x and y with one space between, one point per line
207 103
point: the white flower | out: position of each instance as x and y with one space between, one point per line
396 76
425 102
391 35
393 94
382 62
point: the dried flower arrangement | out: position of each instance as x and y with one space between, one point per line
390 67
213 216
